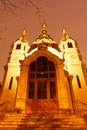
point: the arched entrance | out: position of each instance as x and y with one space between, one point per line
42 87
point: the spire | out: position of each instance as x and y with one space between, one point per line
44 33
65 34
23 37
44 37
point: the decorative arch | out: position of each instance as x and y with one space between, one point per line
42 79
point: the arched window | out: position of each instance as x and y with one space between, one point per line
42 79
70 45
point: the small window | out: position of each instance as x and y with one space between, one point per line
70 45
10 84
18 46
31 90
63 47
24 48
78 81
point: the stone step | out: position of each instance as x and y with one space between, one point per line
41 121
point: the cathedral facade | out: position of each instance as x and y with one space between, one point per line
45 77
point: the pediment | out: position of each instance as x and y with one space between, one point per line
49 52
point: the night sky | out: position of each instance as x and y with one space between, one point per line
55 13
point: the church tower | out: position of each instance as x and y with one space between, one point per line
74 65
12 70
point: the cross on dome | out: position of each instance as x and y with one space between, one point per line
44 26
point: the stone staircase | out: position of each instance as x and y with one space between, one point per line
14 121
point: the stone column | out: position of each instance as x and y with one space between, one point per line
22 89
64 96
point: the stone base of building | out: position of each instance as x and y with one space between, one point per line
60 121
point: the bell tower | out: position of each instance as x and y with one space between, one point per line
74 65
12 70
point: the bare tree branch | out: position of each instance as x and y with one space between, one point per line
36 7
7 6
26 1
39 9
12 6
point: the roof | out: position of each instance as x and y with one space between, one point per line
44 37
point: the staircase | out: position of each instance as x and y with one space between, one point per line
14 121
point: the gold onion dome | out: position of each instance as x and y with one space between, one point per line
44 33
44 37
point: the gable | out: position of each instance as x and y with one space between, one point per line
49 52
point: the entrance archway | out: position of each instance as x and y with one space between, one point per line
42 87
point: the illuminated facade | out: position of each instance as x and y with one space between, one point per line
44 77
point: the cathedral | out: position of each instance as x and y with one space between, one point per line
44 85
